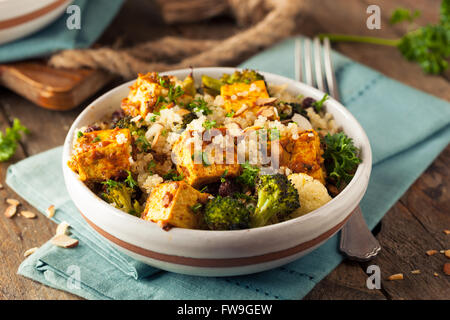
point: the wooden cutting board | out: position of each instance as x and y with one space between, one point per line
47 87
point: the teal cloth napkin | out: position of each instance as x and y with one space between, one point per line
95 17
407 129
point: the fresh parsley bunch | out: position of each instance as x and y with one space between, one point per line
341 158
429 46
9 139
249 175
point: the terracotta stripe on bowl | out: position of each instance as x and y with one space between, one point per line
223 262
5 24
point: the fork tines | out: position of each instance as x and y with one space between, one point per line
314 58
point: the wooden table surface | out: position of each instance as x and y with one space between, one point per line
412 226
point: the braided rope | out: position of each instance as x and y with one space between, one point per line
145 57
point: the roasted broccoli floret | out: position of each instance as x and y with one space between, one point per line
121 196
188 118
212 86
138 133
226 213
277 196
246 76
126 123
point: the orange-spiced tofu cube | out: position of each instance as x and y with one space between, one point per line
101 155
304 155
173 203
241 97
202 166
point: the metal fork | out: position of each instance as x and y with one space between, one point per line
313 64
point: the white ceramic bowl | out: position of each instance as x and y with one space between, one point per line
219 253
20 18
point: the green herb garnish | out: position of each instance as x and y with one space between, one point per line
150 166
402 14
429 46
110 183
96 139
208 125
130 181
341 158
205 159
249 175
230 114
199 105
318 105
196 207
224 174
79 134
172 175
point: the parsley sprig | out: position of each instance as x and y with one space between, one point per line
9 140
341 158
199 105
249 175
429 46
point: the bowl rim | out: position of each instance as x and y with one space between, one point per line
364 168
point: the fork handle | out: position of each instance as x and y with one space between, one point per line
357 241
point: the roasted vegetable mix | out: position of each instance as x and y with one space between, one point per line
147 161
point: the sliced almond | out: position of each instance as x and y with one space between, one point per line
29 252
64 241
156 131
13 202
183 112
415 272
397 276
1 186
268 113
265 101
431 252
10 211
447 268
62 228
447 253
447 232
252 128
436 274
50 212
28 214
241 110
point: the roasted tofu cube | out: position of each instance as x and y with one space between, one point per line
303 155
150 92
101 155
143 95
242 97
194 162
173 203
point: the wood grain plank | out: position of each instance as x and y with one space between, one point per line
19 234
411 227
404 244
346 282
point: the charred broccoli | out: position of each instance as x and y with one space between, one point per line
226 213
120 195
246 76
137 132
212 86
277 196
188 118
